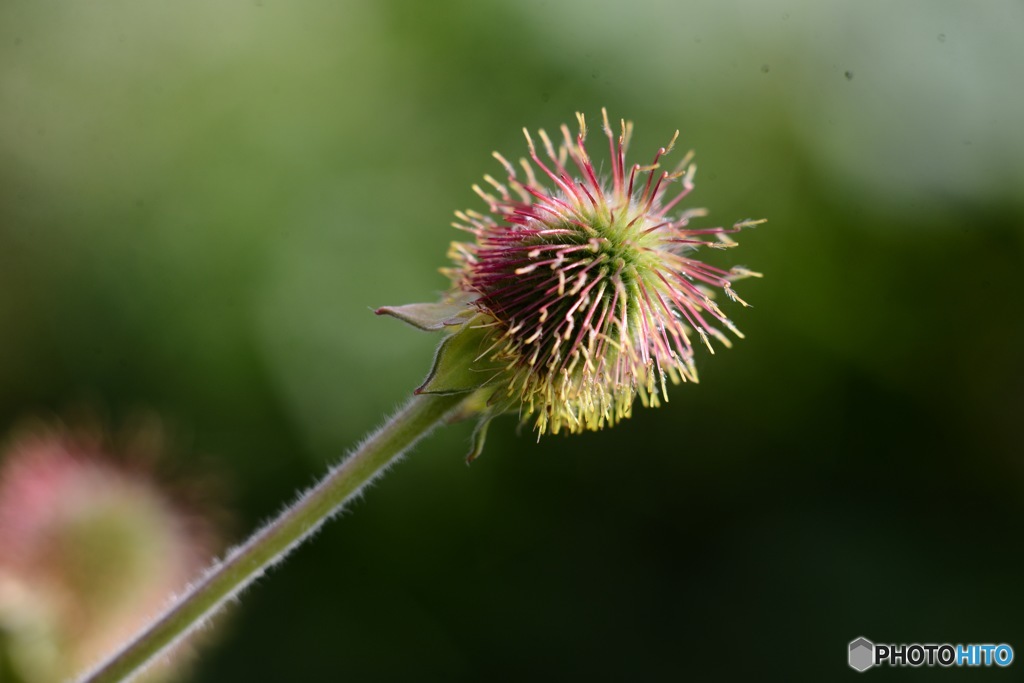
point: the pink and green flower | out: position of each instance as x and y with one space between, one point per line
579 292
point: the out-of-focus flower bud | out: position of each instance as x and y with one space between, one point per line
90 546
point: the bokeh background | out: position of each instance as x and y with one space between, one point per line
200 204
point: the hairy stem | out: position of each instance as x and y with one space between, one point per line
226 578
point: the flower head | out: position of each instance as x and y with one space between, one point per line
92 545
587 285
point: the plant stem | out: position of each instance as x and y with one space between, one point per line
226 578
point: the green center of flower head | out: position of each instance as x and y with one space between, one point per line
584 293
601 266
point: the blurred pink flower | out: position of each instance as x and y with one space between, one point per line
91 547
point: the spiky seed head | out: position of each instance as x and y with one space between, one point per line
579 293
589 284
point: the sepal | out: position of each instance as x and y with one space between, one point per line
479 437
460 364
432 316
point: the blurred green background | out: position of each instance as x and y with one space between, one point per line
200 203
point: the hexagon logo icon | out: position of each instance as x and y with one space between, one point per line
862 654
